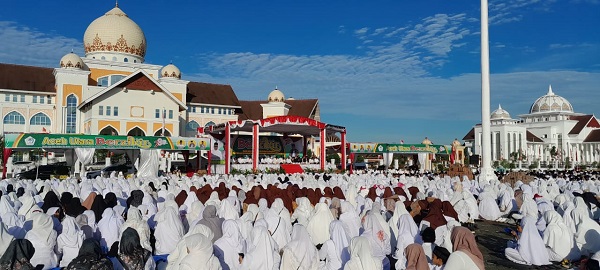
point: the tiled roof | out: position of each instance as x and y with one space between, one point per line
28 78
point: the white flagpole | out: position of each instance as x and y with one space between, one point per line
162 133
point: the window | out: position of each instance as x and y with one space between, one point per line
49 100
41 99
103 58
125 60
114 58
34 99
212 110
202 109
107 110
23 98
14 118
40 119
101 110
170 114
103 81
7 97
14 98
194 109
192 126
115 79
219 111
116 111
71 115
157 113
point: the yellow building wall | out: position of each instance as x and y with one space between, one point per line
141 125
72 89
157 126
179 96
104 123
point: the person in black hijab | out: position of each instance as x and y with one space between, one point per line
17 255
110 200
136 198
98 207
74 208
9 188
132 255
90 257
66 198
50 200
20 192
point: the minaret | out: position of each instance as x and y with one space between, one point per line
487 172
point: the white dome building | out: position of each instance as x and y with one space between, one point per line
549 124
71 61
170 71
551 102
115 37
276 96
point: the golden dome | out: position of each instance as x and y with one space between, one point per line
170 71
114 36
71 60
551 102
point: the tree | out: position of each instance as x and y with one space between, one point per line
360 158
567 163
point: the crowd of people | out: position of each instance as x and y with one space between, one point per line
372 220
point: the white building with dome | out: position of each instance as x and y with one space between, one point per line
550 123
111 90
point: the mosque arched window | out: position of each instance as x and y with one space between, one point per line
71 114
40 119
14 118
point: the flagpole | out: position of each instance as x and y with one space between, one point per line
487 173
162 133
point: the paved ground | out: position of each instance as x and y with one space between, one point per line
492 242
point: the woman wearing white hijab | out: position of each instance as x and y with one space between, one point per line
194 213
350 219
488 208
568 217
69 241
300 253
109 227
228 210
169 230
262 252
5 238
28 205
380 241
91 229
361 257
181 250
587 236
530 249
399 210
303 212
136 222
43 238
334 251
408 233
228 247
557 237
317 225
200 254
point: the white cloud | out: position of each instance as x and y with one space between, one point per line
28 46
507 11
341 29
360 33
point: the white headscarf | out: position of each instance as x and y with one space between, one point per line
361 257
261 251
5 238
70 240
300 253
350 219
136 222
587 236
399 209
200 254
303 212
531 245
317 225
169 230
557 236
341 241
380 241
109 227
230 244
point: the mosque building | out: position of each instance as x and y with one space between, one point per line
111 90
550 133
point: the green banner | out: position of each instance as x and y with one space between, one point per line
39 140
399 148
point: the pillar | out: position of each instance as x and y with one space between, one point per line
255 145
305 148
322 157
227 143
343 149
487 173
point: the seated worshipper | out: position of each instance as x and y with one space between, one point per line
530 248
109 227
440 258
428 236
317 225
131 254
90 257
200 254
334 252
18 255
43 237
262 251
466 254
350 219
488 208
557 237
361 256
135 221
169 229
587 237
212 221
69 241
230 245
5 238
300 253
415 258
408 233
380 241
303 212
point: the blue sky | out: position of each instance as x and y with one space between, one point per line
387 70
